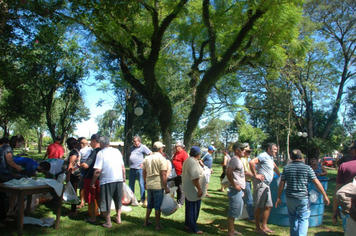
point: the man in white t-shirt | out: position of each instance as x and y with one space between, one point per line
109 165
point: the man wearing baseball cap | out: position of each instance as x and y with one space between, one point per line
155 179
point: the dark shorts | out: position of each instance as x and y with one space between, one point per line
154 199
109 192
91 194
81 183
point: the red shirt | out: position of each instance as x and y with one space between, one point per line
55 150
178 159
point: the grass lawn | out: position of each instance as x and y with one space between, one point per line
212 218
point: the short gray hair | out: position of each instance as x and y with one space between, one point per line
137 137
104 140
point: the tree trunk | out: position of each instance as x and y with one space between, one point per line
39 140
130 98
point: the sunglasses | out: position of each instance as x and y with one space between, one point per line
248 151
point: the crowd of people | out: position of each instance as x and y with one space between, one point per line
98 171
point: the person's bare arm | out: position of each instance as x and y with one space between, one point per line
197 185
225 161
123 172
324 172
164 180
280 190
71 165
320 188
252 164
230 177
144 174
95 177
11 162
335 203
276 170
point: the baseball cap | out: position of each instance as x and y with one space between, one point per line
158 145
194 151
211 148
239 145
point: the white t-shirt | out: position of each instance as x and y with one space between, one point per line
56 165
109 161
85 153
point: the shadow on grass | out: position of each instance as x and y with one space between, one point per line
330 233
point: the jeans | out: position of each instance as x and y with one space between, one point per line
137 174
154 199
248 200
299 212
191 215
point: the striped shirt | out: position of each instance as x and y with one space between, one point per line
297 174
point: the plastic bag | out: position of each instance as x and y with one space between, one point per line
44 198
128 196
61 178
69 195
172 191
225 182
173 174
169 205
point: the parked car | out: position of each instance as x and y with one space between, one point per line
327 161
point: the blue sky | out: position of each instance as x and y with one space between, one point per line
91 97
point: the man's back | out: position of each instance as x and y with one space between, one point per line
154 164
346 172
55 150
297 174
110 161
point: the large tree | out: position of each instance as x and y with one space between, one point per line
42 66
337 27
213 39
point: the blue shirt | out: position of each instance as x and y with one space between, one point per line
207 159
29 164
137 155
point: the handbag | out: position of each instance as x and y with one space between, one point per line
76 170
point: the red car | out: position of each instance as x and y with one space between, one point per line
327 161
